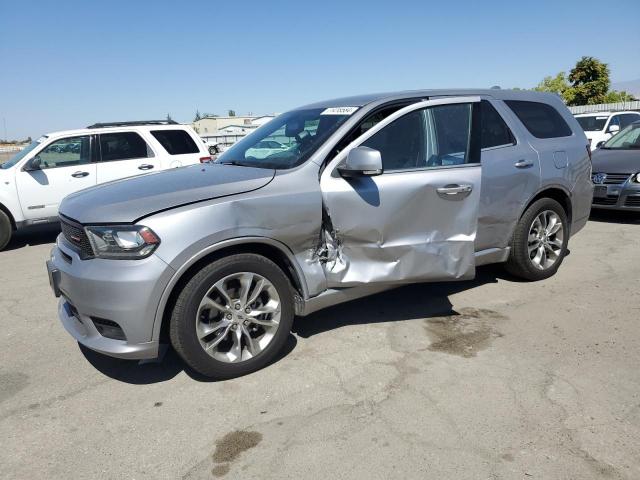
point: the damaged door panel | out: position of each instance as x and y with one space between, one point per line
415 221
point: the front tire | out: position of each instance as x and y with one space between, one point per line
539 242
5 230
233 317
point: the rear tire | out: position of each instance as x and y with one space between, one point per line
539 243
6 230
222 333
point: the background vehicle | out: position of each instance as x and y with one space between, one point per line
616 171
266 148
600 127
36 179
374 192
214 148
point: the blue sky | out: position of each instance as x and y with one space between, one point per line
65 64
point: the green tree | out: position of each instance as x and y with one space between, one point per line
615 96
590 81
558 85
169 119
197 117
232 113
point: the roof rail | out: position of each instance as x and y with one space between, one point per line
134 123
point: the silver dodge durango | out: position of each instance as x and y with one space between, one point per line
362 194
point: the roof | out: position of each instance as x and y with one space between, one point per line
605 114
362 100
91 131
593 114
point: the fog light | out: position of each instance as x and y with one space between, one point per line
108 328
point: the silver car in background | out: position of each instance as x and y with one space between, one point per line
616 171
370 193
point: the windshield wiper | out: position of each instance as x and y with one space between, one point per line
235 163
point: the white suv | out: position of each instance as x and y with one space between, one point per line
36 179
601 126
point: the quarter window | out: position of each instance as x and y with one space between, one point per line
175 142
494 132
432 137
66 152
541 119
123 146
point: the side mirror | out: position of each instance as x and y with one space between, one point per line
600 144
362 162
613 129
33 165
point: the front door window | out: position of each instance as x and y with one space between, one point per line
66 152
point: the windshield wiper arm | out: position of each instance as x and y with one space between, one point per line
234 162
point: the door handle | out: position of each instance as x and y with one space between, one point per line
79 174
145 166
454 191
523 164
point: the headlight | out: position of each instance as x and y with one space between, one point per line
636 178
122 241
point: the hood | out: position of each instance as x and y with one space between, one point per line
128 200
616 161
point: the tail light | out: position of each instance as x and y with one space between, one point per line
206 159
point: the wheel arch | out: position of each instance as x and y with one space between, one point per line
557 193
274 250
4 209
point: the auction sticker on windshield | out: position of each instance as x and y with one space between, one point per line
339 111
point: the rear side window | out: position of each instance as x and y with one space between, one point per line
494 132
175 142
542 120
123 146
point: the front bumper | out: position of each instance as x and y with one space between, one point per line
126 292
618 197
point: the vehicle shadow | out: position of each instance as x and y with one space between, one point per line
420 300
31 236
416 301
155 371
615 216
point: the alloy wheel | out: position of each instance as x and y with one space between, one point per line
546 239
238 317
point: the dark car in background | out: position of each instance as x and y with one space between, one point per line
616 171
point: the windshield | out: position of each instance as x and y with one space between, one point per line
21 154
288 140
592 124
627 139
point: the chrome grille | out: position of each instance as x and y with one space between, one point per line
613 178
75 235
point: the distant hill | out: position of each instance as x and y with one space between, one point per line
631 86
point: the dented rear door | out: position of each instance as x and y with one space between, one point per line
416 221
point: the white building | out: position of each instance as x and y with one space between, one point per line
228 130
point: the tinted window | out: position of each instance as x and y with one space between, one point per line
66 152
542 120
175 142
431 137
591 123
493 131
627 119
122 146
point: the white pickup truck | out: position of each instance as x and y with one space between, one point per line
601 126
35 180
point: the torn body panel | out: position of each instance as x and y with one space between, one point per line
398 227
